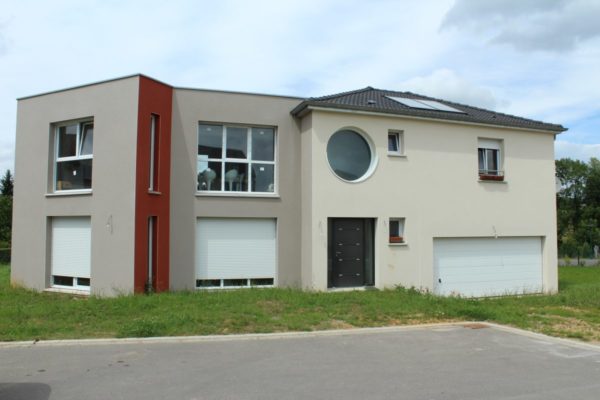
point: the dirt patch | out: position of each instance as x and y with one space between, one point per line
271 306
475 326
570 327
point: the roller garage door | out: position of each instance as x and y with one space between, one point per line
476 267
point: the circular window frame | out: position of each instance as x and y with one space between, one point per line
374 157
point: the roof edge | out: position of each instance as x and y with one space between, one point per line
140 75
548 128
92 84
239 92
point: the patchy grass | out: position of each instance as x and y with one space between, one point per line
27 315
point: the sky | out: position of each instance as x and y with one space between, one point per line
538 59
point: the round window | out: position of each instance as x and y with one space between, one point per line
349 155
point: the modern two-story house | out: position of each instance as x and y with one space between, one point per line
130 185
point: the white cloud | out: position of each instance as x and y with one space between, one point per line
552 25
577 151
446 84
310 48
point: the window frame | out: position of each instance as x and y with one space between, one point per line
74 286
399 139
490 149
248 161
397 233
80 123
372 152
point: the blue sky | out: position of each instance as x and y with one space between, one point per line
534 58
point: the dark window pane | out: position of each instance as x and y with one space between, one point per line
210 141
72 175
209 177
208 283
62 280
349 155
87 140
67 141
394 228
481 154
492 160
263 144
261 282
236 177
392 142
263 178
83 281
235 282
237 142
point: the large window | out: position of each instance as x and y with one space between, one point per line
236 159
350 155
490 159
74 142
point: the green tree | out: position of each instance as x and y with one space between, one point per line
6 202
5 220
7 184
578 207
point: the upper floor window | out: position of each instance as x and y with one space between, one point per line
236 159
154 152
74 142
395 143
490 159
351 155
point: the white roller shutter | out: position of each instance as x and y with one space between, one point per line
489 144
232 248
71 246
476 267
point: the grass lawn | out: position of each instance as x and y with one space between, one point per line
27 315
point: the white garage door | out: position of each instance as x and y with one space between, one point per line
71 251
235 251
476 267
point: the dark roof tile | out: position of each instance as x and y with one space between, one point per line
376 100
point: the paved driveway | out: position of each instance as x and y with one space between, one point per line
440 362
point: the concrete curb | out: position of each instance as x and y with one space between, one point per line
293 335
221 338
545 338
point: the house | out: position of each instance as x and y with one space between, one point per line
131 184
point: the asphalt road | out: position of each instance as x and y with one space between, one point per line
442 362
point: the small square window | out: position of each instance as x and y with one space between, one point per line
396 230
395 143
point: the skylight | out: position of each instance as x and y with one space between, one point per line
424 104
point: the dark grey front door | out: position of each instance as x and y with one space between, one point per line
347 249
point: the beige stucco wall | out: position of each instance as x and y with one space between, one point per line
113 107
435 187
189 108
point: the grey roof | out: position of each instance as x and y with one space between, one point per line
375 100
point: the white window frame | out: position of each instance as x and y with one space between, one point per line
486 146
75 276
399 138
78 156
248 161
75 286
